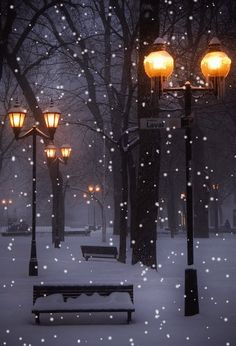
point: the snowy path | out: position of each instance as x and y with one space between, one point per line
158 319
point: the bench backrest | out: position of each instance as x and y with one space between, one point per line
76 290
91 249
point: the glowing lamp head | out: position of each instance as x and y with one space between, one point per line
159 63
90 188
65 151
17 116
215 66
52 116
97 188
51 152
215 63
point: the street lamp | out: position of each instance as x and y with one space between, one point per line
215 66
93 189
17 116
183 218
53 158
6 203
215 188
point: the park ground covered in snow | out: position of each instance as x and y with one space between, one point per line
158 295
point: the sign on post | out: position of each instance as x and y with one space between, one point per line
159 123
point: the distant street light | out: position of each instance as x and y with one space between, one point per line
93 189
17 116
183 218
53 158
6 203
215 188
215 66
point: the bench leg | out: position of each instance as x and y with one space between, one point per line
129 316
37 320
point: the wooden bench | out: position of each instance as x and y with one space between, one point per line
82 298
98 251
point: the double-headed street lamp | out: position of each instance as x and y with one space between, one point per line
51 117
6 203
215 188
93 189
53 158
215 66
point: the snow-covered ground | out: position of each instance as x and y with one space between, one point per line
159 295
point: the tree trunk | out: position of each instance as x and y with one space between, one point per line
132 199
123 208
144 249
117 183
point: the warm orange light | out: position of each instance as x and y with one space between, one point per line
17 116
90 188
97 188
52 116
159 63
51 119
51 151
215 64
66 151
7 201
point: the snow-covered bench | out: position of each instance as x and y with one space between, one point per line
98 251
82 298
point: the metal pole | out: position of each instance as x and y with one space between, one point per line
57 235
216 209
188 153
191 289
33 264
94 214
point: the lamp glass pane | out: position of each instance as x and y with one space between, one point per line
51 152
51 119
159 64
17 119
65 151
215 64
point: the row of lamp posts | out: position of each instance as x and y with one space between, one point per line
51 116
215 66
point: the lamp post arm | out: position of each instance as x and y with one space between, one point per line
32 131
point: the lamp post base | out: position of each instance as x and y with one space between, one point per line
191 292
33 267
57 243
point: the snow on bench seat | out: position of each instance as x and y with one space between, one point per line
79 298
115 301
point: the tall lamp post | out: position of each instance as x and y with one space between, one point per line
215 188
183 218
53 158
93 189
215 66
6 203
51 117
